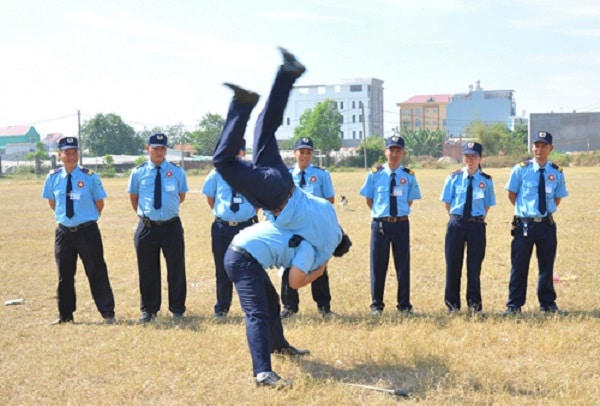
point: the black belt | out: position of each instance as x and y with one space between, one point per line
150 223
237 223
392 219
77 227
547 219
242 252
475 219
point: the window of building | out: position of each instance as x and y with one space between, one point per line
353 104
356 88
353 118
360 135
341 105
360 118
287 121
353 135
321 90
337 89
417 123
418 112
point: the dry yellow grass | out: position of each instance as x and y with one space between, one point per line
533 359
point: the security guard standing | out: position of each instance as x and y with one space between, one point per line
317 182
390 191
535 188
156 190
232 213
76 196
468 195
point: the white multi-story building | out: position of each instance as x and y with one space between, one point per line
353 97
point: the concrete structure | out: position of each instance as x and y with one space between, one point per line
571 132
490 107
424 112
349 96
18 134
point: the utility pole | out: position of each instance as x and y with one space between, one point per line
362 108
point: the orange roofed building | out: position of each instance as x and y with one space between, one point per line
424 112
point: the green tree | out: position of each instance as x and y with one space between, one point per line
497 139
108 134
109 169
375 151
323 125
205 138
424 142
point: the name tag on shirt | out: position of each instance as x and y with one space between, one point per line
397 191
549 189
237 199
170 188
478 194
75 196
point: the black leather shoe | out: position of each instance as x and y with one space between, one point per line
291 64
291 351
327 313
376 312
219 315
62 320
288 313
511 310
177 316
110 320
242 95
147 317
272 380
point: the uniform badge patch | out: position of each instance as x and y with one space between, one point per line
481 185
80 184
313 179
403 181
169 174
551 177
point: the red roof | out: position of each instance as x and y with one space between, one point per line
429 98
14 130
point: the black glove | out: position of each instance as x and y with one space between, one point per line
343 247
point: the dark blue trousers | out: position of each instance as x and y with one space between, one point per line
260 303
382 236
222 234
319 289
266 181
87 243
543 237
459 233
149 242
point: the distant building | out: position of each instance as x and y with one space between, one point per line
571 132
424 112
487 106
350 97
18 134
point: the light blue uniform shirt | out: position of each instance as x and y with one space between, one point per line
318 181
312 218
173 182
216 187
524 179
455 192
87 189
377 187
269 246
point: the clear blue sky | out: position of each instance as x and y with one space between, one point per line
158 62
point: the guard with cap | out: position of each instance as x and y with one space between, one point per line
536 188
316 181
156 190
468 195
390 190
233 212
76 196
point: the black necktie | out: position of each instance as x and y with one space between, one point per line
542 193
302 180
70 211
469 202
393 202
157 190
235 206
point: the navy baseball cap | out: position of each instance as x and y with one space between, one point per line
303 142
158 140
67 143
394 141
472 148
543 136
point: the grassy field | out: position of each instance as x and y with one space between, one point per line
531 359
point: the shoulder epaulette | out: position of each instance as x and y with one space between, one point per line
558 168
86 170
140 165
376 168
525 163
458 172
318 167
485 175
409 171
55 170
